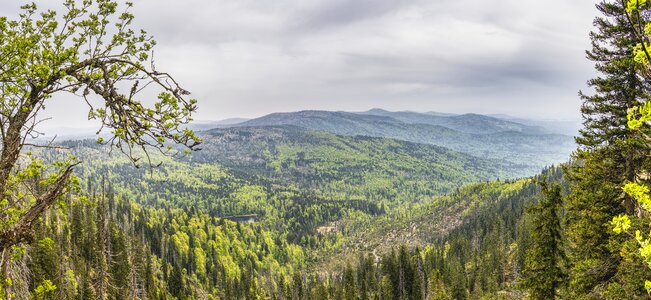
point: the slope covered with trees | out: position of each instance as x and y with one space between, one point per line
323 205
468 123
290 177
318 160
496 141
253 213
155 242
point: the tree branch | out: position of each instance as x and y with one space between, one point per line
22 231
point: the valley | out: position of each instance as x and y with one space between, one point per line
325 150
284 200
477 135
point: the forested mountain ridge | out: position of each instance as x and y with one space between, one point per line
308 156
470 244
533 149
272 211
115 246
434 220
468 123
171 227
293 163
309 194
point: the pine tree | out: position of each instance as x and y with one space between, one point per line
608 157
349 283
618 84
175 284
544 271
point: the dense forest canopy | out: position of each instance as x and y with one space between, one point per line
89 50
313 204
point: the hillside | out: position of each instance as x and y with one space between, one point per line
315 158
306 193
277 172
523 148
472 242
468 123
201 125
565 127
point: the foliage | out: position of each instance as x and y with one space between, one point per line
471 134
175 221
604 264
284 212
544 271
90 50
637 119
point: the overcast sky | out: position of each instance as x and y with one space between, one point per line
245 58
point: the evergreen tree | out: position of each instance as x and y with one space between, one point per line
349 283
618 84
544 270
176 282
608 157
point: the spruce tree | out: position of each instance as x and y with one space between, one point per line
618 84
544 271
349 283
608 156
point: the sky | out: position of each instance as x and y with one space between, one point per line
247 58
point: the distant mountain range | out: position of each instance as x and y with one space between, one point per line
529 143
205 125
469 123
478 135
308 157
565 127
324 187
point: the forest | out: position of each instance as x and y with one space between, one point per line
313 204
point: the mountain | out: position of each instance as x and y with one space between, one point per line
81 133
520 147
566 127
344 123
315 158
271 206
259 207
293 164
430 222
205 125
468 123
435 113
472 241
433 221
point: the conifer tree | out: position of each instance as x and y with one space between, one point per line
544 271
638 121
349 283
608 156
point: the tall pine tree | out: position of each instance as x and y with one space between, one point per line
544 270
608 157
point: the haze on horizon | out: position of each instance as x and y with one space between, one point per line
249 58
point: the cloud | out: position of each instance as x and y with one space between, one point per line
248 58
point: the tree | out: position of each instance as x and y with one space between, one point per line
608 157
638 120
91 51
618 84
544 271
349 283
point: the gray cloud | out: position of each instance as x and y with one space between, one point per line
250 57
337 13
